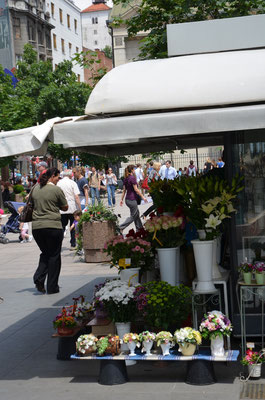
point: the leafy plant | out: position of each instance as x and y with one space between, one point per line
102 345
245 267
165 195
18 189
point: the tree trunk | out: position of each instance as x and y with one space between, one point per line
5 173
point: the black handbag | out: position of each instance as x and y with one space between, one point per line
26 215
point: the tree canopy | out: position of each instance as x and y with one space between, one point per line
153 15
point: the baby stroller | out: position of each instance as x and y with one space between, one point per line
12 224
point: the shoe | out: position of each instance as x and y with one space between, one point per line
72 248
30 238
80 252
40 287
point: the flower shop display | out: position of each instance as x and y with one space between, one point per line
132 340
163 306
187 339
147 339
246 270
96 225
214 326
86 344
254 361
259 268
64 323
129 255
108 345
167 236
165 340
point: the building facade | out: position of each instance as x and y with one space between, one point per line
94 26
67 33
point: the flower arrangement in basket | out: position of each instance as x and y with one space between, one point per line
147 338
86 344
259 269
132 337
64 322
168 231
253 357
187 339
118 300
245 267
164 337
108 345
214 324
82 310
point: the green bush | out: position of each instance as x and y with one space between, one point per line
18 189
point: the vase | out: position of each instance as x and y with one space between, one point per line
259 278
217 346
247 277
165 348
203 253
64 331
122 328
130 275
201 234
216 273
131 347
254 371
187 349
147 346
169 259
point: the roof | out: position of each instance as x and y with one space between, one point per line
96 7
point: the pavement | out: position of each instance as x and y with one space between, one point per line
29 368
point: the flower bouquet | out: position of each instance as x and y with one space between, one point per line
132 341
165 340
108 345
259 268
147 338
253 360
64 323
187 339
86 344
246 270
168 231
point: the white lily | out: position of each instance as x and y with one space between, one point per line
212 222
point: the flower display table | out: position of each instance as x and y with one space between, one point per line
200 368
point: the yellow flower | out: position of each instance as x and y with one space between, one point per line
207 209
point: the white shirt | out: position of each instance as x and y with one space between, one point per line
167 173
139 174
70 189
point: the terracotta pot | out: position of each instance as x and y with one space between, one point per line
114 346
64 331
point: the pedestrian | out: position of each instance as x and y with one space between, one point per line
24 229
42 167
167 171
192 170
207 166
74 227
130 189
5 191
82 184
220 163
94 183
111 182
48 199
154 173
71 192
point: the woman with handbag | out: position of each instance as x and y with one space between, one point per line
48 199
132 199
111 182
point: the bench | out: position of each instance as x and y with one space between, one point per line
199 371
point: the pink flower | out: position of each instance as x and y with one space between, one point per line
142 250
137 248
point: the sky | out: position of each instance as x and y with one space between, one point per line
82 4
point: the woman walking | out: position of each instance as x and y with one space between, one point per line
131 191
111 181
48 199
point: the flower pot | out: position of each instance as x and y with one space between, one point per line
114 346
254 371
95 234
216 273
247 277
64 331
122 328
165 348
169 265
259 278
131 347
203 253
187 349
202 234
147 346
130 275
217 346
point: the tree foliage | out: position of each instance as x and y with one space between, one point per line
153 16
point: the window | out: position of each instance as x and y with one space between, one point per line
78 77
62 44
54 42
70 48
77 49
75 25
68 21
48 41
52 10
31 32
95 42
61 15
95 32
17 30
40 37
95 20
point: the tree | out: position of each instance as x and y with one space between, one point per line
108 51
153 16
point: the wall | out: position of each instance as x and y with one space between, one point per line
105 63
95 36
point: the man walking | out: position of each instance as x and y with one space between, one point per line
71 192
82 184
167 171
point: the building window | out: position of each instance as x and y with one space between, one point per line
31 32
54 42
68 21
95 20
17 30
95 32
77 49
61 15
52 10
70 49
40 38
95 42
62 44
75 25
78 77
48 41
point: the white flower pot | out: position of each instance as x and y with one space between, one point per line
217 346
165 348
254 371
131 347
147 346
130 275
202 234
169 265
203 253
122 328
216 273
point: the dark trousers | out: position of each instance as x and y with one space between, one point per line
49 241
65 218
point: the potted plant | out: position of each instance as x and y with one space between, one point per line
259 268
214 326
246 270
86 344
165 340
20 193
168 235
253 360
129 255
64 323
132 340
108 345
165 196
96 225
147 339
187 339
163 306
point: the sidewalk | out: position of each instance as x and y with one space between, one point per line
29 369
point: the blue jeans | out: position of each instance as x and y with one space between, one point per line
94 193
111 194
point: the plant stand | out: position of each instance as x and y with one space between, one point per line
200 372
112 372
